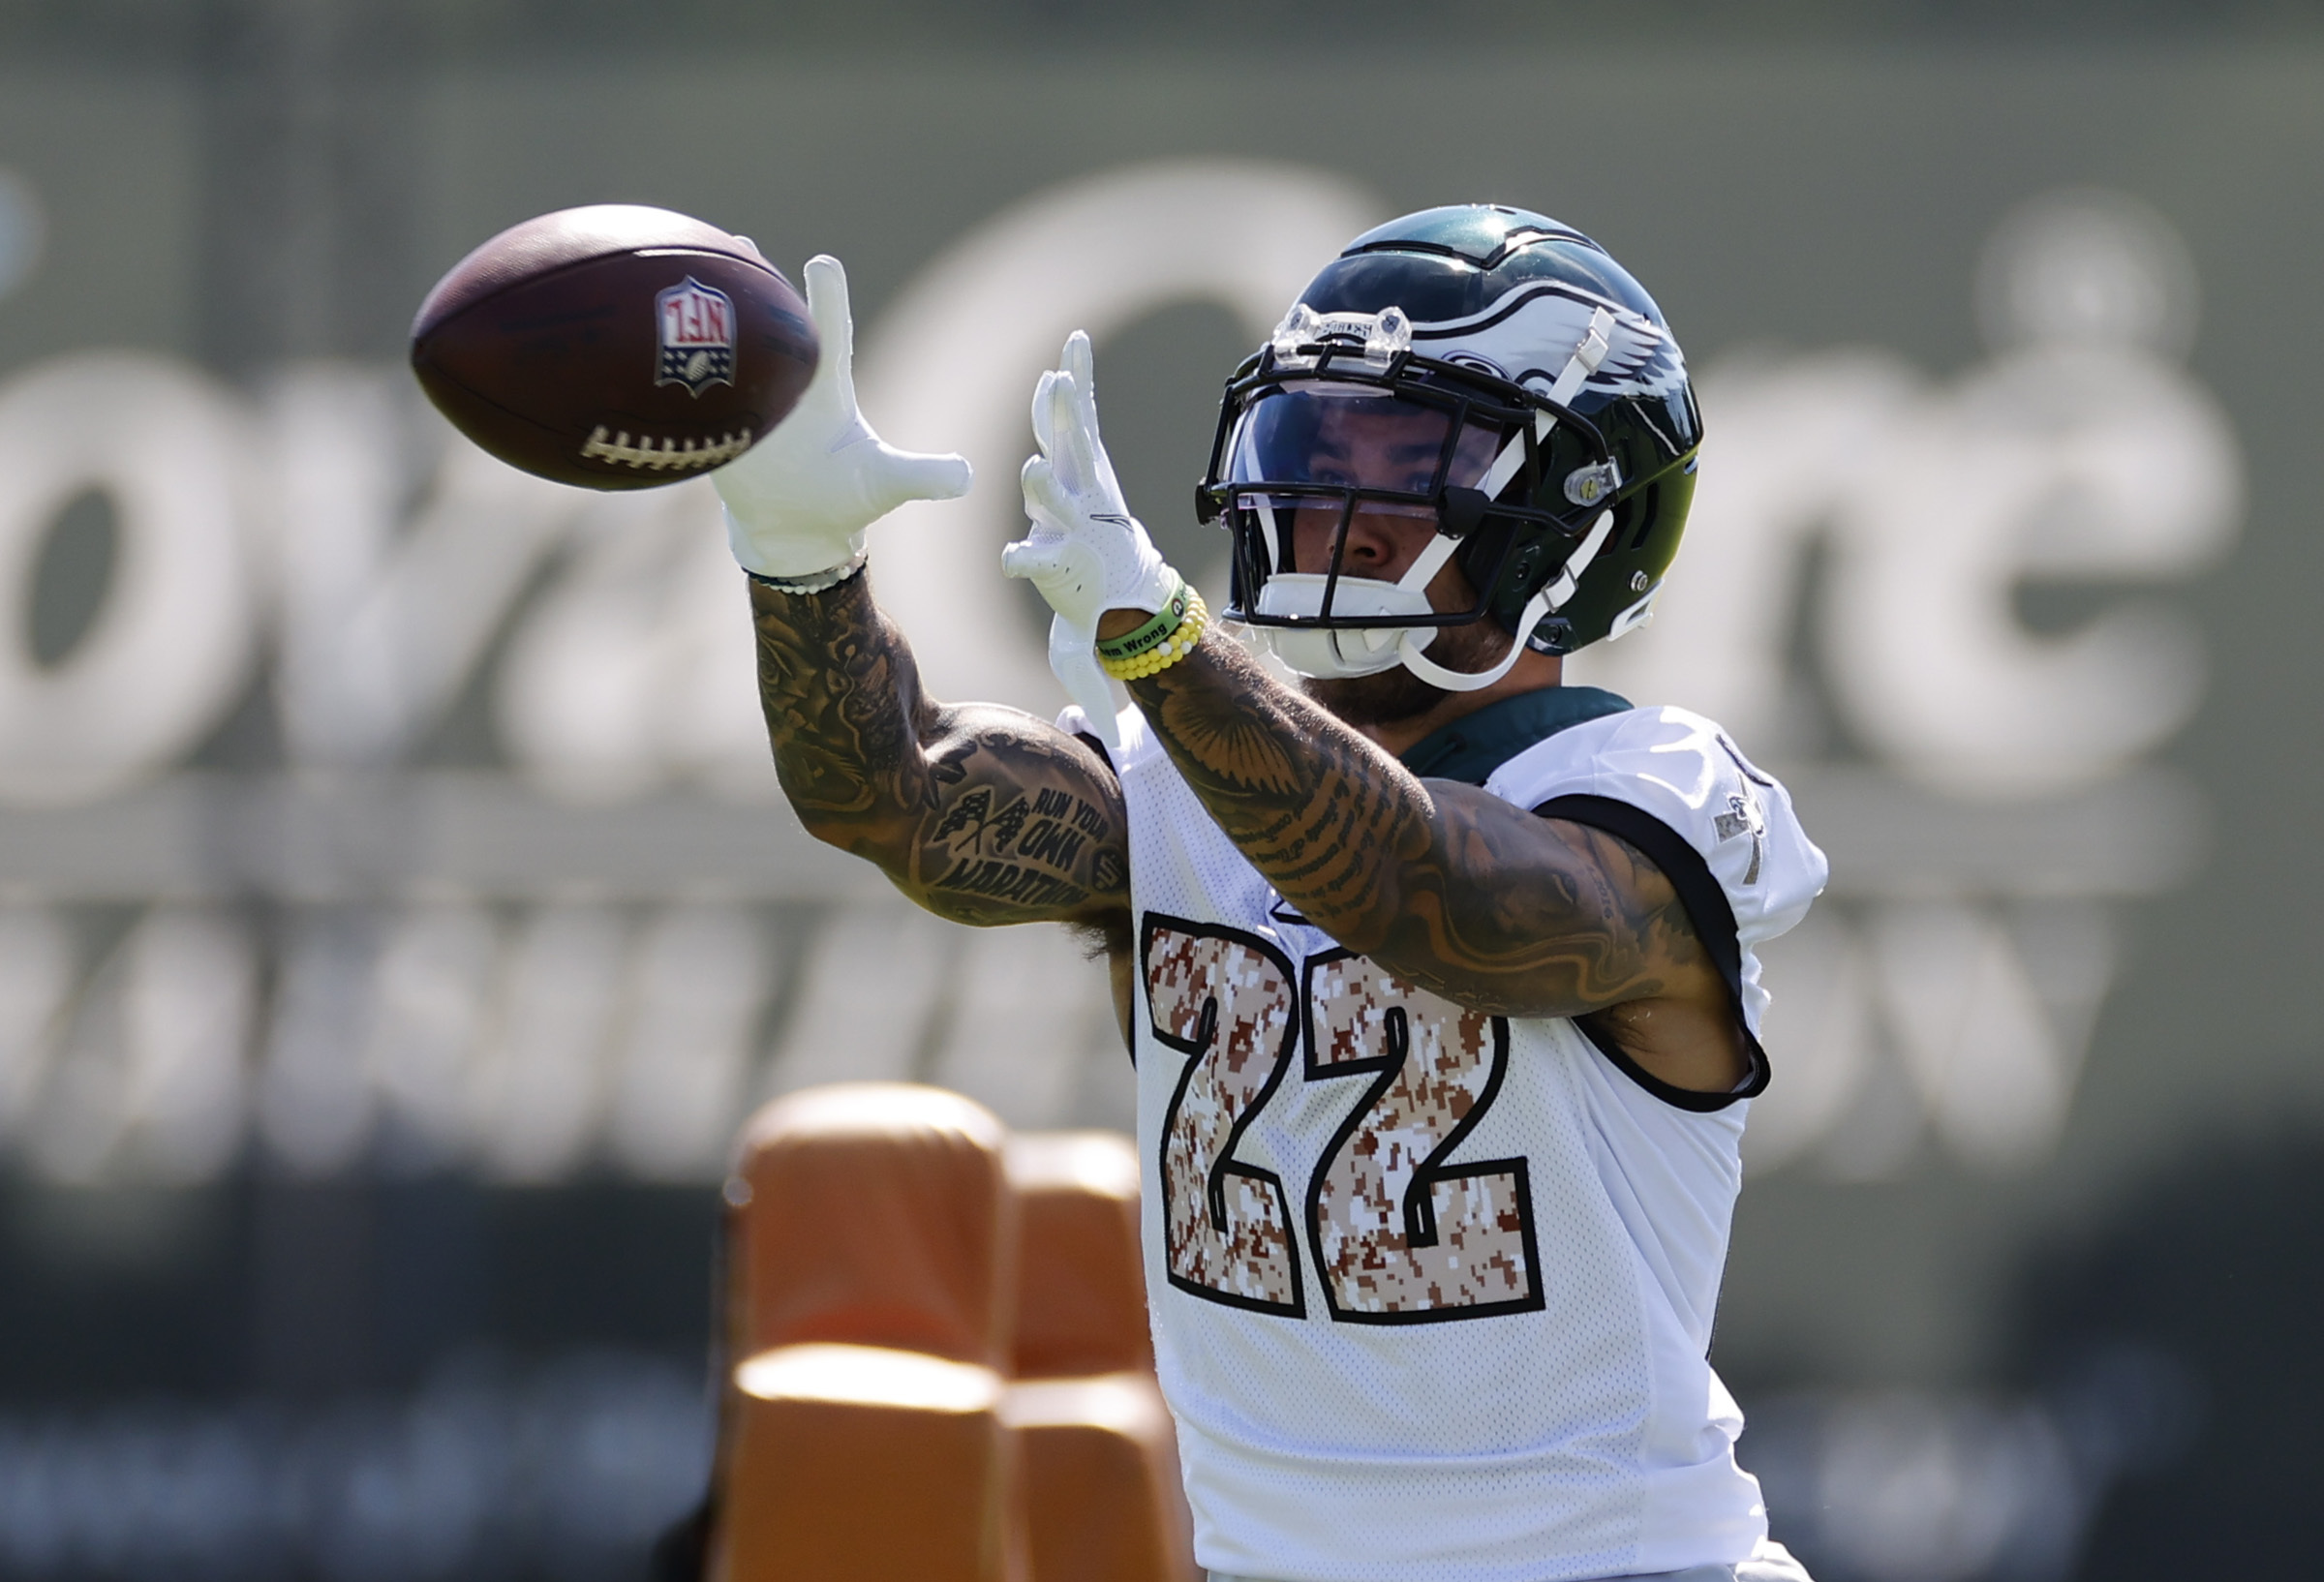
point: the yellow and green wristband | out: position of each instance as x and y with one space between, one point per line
1161 641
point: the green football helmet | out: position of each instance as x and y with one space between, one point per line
1487 370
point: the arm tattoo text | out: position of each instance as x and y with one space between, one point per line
980 813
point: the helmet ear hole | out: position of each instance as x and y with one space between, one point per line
1553 635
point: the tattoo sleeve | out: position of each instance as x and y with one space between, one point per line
1441 883
980 813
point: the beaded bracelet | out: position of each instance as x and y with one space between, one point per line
1159 652
1144 637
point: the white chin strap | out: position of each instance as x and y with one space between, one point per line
1549 601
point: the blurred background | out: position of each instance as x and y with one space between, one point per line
397 916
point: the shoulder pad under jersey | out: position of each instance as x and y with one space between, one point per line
1683 771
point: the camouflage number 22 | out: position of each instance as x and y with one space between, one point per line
1397 1234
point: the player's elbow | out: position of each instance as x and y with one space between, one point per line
875 840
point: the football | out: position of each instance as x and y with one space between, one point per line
614 347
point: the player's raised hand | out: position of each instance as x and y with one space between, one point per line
798 501
1086 553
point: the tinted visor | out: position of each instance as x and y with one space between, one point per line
1324 454
1360 437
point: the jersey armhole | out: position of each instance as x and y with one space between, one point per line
1098 747
1714 922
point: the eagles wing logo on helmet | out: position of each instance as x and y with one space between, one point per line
1508 338
1486 368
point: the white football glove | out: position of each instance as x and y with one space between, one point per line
1087 554
798 501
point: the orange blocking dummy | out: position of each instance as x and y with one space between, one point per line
1096 1455
882 1237
873 1214
873 1260
1081 1287
867 1463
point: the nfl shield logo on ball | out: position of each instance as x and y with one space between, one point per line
697 336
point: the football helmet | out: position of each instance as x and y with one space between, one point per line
1480 375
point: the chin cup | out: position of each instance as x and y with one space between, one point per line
1348 652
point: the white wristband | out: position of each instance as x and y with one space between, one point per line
814 582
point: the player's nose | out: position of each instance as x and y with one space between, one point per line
1371 548
1381 545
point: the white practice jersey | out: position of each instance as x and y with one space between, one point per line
1433 1289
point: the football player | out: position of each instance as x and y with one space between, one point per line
1440 977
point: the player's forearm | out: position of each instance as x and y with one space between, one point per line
845 714
979 813
1329 817
1450 889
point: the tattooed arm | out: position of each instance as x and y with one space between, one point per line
979 813
1451 888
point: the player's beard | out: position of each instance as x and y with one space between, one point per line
1396 694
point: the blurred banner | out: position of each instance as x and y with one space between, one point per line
573 958
375 821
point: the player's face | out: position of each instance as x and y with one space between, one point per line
1361 440
1354 437
1371 446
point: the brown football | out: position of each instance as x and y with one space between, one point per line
614 346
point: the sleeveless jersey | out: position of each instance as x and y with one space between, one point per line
1431 1291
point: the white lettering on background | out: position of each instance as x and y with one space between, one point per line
389 566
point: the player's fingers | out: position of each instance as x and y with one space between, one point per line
1077 427
1065 452
1044 429
1032 559
826 304
905 474
1079 363
835 327
1045 499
